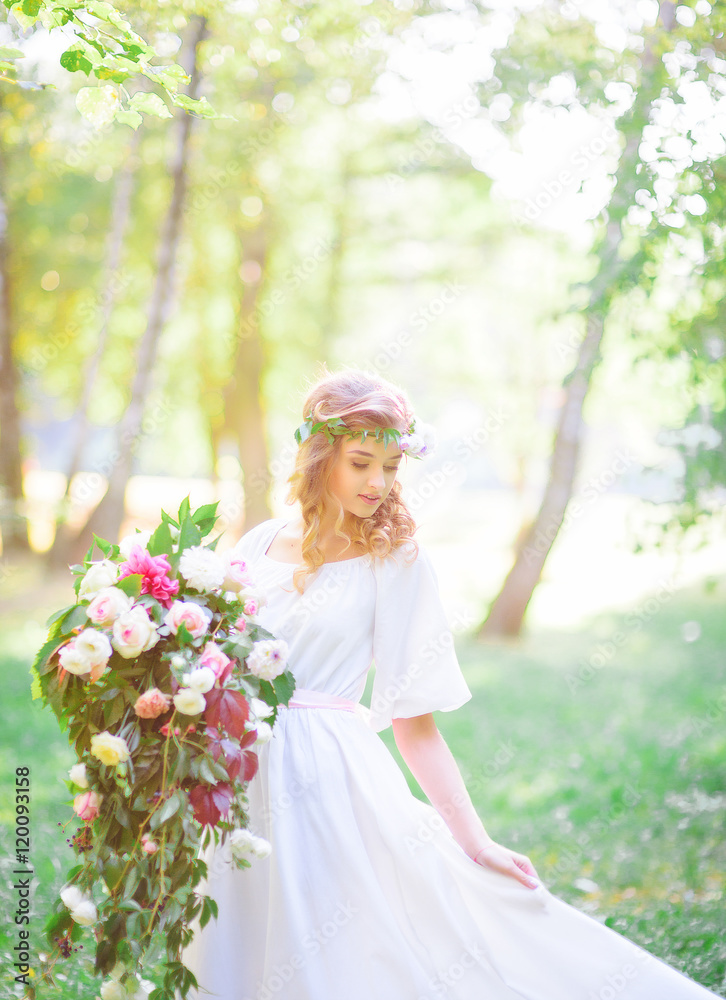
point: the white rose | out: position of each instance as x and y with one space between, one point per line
201 568
268 658
74 660
201 679
94 645
236 573
134 633
99 575
112 989
244 843
261 848
85 913
71 896
107 605
140 538
189 701
77 774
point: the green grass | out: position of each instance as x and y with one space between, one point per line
618 780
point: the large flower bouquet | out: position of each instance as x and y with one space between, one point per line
165 683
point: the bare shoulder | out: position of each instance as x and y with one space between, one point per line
286 546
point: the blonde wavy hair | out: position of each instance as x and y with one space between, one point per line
364 402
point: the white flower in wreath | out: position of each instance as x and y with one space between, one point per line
71 896
77 774
202 569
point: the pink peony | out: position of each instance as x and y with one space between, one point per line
86 806
155 571
151 704
213 657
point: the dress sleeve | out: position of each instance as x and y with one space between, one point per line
256 541
413 649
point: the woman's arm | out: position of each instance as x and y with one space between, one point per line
432 764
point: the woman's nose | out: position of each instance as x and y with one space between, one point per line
377 479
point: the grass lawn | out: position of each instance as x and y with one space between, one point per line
598 752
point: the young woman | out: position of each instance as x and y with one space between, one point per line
369 893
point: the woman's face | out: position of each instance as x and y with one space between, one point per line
363 474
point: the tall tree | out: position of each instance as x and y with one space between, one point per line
106 519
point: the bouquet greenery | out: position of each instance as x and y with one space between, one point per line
165 682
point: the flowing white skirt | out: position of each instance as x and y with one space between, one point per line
367 896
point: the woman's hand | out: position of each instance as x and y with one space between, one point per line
502 859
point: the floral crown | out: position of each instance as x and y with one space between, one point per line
417 440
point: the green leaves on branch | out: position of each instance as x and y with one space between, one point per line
108 48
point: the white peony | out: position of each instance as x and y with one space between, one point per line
85 913
94 645
268 658
201 679
139 538
107 605
189 701
202 569
77 774
134 633
71 896
99 575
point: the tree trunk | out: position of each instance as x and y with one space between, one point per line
508 609
13 525
244 413
107 517
60 554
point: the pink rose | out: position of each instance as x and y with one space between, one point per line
214 658
87 806
240 624
107 605
195 618
251 606
155 572
236 573
151 704
149 845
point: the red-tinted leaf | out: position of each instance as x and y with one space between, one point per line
249 738
230 750
228 709
222 796
226 671
250 763
206 811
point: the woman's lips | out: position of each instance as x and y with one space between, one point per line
369 500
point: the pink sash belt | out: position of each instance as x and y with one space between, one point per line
303 698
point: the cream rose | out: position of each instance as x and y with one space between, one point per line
134 633
202 679
85 913
264 732
107 605
98 576
193 616
95 646
109 749
77 774
244 843
74 660
139 538
112 989
189 701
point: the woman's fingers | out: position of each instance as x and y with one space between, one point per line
518 866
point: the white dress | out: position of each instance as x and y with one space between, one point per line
366 895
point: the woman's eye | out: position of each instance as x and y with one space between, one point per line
358 465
